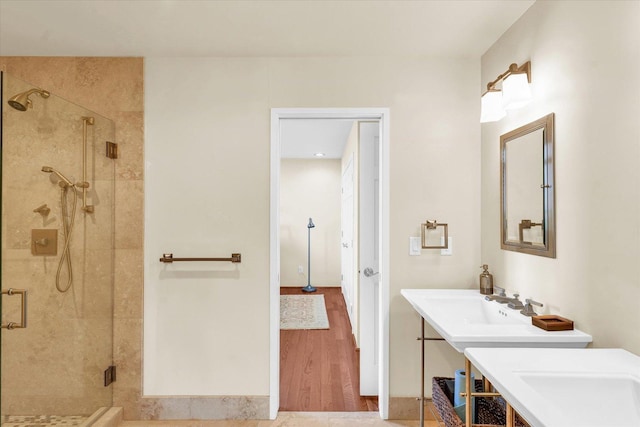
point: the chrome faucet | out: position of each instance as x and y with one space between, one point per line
498 298
528 310
515 303
502 298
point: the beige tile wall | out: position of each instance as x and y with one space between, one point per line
112 87
55 365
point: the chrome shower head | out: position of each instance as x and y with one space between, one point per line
311 224
64 181
21 101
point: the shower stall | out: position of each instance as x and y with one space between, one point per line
57 266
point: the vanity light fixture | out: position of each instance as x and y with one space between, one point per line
492 109
515 93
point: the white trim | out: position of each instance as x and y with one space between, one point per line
274 260
383 397
383 115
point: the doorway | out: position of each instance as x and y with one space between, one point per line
380 297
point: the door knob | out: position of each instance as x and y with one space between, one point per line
368 272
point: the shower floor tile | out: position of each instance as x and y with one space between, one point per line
42 420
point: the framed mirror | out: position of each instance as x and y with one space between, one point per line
527 203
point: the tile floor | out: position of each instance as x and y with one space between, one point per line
293 419
42 420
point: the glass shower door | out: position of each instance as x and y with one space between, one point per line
57 258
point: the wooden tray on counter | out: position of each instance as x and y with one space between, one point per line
552 322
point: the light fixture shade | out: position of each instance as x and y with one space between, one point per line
516 92
491 107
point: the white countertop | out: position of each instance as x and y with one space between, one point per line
565 387
465 319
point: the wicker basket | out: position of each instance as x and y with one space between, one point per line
489 411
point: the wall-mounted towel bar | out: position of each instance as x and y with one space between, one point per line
167 258
526 224
432 225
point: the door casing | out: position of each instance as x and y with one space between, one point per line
383 116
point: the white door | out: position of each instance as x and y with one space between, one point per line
346 251
369 249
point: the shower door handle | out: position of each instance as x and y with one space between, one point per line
23 309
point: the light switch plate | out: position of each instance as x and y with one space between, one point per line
449 250
415 246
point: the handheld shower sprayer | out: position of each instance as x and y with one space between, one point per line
64 181
67 224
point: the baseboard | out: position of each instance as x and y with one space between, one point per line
314 285
205 408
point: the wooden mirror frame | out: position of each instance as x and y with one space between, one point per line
546 123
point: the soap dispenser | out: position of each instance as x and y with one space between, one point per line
486 281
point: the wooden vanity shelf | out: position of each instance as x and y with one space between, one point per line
490 412
552 322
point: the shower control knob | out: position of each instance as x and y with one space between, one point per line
43 210
41 242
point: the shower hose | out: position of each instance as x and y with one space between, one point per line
67 224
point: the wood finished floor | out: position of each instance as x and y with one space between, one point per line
319 369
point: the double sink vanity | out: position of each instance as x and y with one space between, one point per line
549 378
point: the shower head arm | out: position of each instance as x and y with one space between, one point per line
43 93
21 101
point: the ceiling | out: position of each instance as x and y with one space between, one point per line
254 27
302 138
191 28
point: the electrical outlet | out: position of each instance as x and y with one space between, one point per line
449 250
300 270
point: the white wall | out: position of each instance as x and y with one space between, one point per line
310 188
585 59
207 193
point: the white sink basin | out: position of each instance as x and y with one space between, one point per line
465 319
581 392
470 310
566 387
